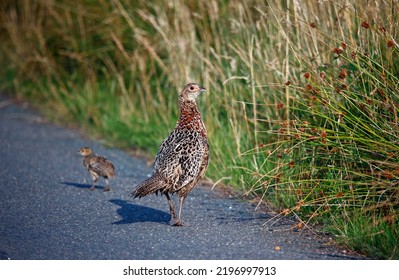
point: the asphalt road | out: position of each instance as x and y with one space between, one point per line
48 212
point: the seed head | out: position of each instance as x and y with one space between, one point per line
390 44
308 87
337 51
343 73
365 24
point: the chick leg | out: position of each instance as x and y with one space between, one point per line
95 179
107 187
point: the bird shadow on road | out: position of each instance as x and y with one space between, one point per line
81 186
133 213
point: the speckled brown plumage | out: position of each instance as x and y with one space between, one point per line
183 156
97 166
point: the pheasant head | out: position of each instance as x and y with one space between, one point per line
190 93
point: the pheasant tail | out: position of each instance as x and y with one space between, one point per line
149 186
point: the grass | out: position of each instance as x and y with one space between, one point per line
302 98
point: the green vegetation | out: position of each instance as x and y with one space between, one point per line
302 102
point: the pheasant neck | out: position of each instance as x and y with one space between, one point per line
190 117
188 107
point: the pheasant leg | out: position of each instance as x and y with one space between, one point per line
171 207
179 221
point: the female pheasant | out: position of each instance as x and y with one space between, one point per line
183 156
97 166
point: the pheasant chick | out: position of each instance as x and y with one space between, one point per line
97 166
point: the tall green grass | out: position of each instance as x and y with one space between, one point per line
302 99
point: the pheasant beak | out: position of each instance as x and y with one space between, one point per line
202 89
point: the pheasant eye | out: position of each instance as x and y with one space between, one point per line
191 88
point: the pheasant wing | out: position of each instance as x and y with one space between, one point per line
179 158
101 166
